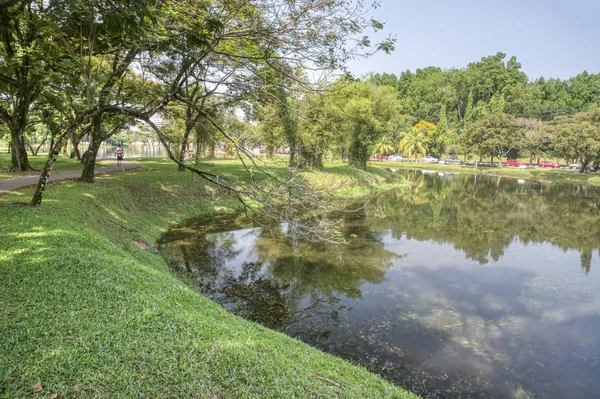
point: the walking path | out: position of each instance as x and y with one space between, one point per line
14 184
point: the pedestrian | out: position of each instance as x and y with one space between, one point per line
119 154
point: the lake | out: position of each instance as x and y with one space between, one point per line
458 286
132 151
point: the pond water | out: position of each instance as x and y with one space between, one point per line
457 286
132 151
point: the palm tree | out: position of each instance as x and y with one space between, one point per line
384 146
414 142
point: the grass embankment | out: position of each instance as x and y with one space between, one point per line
557 175
87 311
38 162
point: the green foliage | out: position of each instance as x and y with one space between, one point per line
320 124
368 114
577 138
414 143
495 134
384 146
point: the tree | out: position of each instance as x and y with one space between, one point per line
384 146
495 134
537 139
578 137
26 54
321 123
469 112
368 113
414 142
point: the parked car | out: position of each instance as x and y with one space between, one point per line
395 158
548 165
511 162
430 159
453 160
379 157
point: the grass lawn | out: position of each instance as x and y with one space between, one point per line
63 164
87 308
558 175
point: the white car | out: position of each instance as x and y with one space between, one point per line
430 159
395 158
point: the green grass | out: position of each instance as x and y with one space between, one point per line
87 313
63 164
559 175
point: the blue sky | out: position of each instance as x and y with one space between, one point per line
550 38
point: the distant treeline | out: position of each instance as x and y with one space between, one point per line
470 93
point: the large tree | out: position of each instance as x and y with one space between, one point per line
369 112
28 40
495 134
577 138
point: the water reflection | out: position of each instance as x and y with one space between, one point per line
458 286
132 151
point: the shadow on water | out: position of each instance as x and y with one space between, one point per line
458 286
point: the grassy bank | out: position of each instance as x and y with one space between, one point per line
558 175
89 310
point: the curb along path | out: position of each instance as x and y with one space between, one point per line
27 181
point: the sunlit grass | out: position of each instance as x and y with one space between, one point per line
87 313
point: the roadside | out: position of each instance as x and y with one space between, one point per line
21 182
63 164
89 308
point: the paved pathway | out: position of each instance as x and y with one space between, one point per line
14 184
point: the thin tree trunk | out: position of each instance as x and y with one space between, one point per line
43 181
199 147
211 149
184 144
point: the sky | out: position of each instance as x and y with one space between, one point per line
550 38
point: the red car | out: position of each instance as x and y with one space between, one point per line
511 162
379 157
548 165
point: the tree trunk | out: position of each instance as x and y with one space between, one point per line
75 153
43 181
211 149
184 144
18 152
270 151
359 155
199 148
89 158
89 161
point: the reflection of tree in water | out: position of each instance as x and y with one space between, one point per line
482 215
199 259
291 284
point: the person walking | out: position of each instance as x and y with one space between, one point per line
119 154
